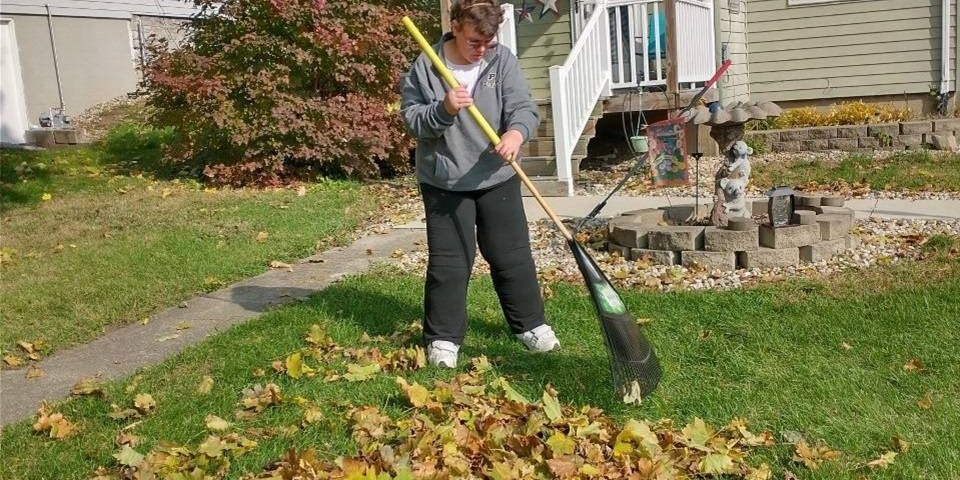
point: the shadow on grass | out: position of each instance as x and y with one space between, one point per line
132 149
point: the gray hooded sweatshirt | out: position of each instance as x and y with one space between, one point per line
453 153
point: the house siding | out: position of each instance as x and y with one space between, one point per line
95 57
845 48
732 36
541 44
100 9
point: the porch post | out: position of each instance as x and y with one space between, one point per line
672 70
445 15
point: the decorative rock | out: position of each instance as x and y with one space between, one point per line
709 260
632 235
790 236
615 221
916 128
808 200
833 227
803 217
829 210
846 144
886 129
824 250
832 201
651 216
853 241
676 238
944 142
624 252
852 131
680 213
659 257
721 240
741 224
780 147
768 258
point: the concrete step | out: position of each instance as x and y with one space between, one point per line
547 165
547 186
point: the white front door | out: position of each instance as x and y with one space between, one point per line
13 108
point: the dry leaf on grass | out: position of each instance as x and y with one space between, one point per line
205 385
53 422
812 457
144 403
914 365
12 360
216 424
884 461
87 386
281 265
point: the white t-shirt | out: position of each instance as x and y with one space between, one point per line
466 74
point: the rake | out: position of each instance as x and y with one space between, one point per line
634 366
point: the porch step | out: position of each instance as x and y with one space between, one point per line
547 186
546 110
544 147
547 165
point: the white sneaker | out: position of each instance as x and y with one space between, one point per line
441 353
540 339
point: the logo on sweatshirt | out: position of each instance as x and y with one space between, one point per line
491 80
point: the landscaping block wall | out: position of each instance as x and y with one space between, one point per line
914 134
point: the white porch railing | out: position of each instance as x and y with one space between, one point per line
507 35
576 86
638 41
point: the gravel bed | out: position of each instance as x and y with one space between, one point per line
883 241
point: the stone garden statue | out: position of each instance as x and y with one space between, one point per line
731 183
727 129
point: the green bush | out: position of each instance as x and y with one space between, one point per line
757 144
268 90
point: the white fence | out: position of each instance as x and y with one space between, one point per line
576 86
638 41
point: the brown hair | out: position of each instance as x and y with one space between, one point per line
485 15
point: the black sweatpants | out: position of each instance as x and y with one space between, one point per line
456 223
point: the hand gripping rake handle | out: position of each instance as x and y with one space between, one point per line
482 122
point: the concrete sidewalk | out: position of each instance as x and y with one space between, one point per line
572 207
123 350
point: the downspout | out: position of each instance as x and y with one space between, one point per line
56 62
720 51
944 47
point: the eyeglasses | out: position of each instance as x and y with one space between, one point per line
477 44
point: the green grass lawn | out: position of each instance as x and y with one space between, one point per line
95 236
920 170
770 354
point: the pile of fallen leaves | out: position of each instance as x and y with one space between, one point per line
478 427
474 426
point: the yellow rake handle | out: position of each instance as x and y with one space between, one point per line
482 122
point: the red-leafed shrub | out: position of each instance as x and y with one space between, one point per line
269 90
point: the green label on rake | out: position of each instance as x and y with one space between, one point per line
609 300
